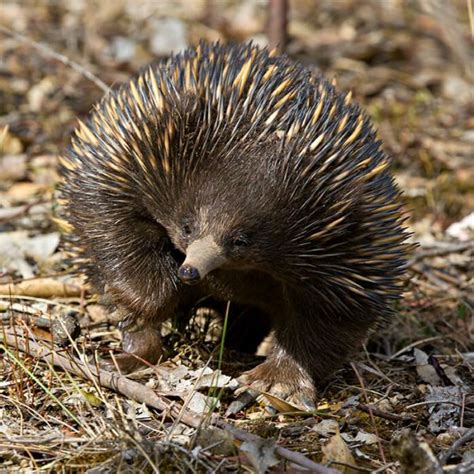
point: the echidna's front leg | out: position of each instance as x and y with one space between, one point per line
141 328
146 292
140 348
140 323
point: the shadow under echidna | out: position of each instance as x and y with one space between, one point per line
231 172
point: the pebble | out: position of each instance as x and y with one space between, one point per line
168 36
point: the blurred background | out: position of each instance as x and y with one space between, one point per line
408 62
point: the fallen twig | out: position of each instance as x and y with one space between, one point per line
465 438
40 288
371 414
383 414
142 394
47 51
411 346
439 252
10 213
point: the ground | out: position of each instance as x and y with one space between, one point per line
404 404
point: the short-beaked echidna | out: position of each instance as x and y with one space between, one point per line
232 172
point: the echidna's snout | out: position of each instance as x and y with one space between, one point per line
202 256
188 274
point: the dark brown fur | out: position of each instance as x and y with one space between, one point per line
283 174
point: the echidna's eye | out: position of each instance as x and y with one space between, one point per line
187 229
240 241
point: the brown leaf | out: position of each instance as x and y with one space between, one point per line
24 191
281 405
337 451
9 144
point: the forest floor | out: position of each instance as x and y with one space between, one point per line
405 403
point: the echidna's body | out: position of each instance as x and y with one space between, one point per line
241 173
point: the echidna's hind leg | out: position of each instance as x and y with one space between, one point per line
282 376
308 349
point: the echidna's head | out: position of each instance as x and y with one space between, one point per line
230 221
210 244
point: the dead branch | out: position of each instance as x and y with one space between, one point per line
441 251
371 414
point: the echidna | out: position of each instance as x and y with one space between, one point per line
233 172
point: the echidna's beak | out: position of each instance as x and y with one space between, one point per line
202 256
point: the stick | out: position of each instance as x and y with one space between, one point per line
277 23
47 51
441 251
383 414
464 439
370 411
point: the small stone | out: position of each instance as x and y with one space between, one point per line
122 49
326 428
169 35
458 90
65 328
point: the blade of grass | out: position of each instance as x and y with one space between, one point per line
20 363
212 390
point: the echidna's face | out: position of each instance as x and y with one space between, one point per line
213 236
212 245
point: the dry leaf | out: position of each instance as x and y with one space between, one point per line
366 438
91 398
18 249
281 405
9 144
326 427
25 191
337 451
424 369
261 453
